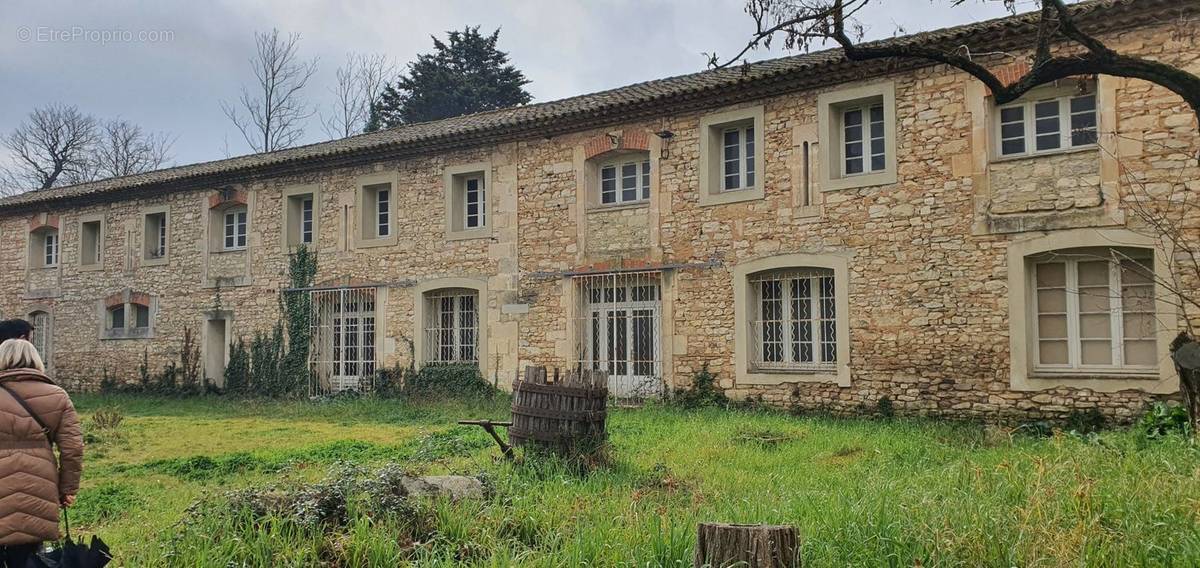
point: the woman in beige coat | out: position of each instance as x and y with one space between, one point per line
32 485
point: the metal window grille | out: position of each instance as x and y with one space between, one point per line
618 329
794 325
41 333
342 336
452 326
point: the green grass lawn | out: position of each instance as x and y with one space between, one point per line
863 493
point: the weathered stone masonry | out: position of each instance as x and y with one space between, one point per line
925 261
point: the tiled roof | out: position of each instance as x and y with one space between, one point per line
696 90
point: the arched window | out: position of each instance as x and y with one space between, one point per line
451 326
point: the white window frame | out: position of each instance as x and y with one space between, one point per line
866 138
307 223
50 249
620 299
437 332
235 223
383 212
747 174
1074 339
822 336
344 327
477 197
1029 120
641 177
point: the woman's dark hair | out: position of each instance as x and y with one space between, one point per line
15 329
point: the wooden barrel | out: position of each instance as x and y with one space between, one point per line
565 414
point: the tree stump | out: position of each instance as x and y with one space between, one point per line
719 545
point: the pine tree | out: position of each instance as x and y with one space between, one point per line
466 75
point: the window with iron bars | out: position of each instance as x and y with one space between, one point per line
342 325
618 330
794 325
452 326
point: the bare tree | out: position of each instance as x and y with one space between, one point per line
271 116
360 82
1164 205
804 23
123 148
51 146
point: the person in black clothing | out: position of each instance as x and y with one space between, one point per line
15 329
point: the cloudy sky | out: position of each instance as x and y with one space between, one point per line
187 56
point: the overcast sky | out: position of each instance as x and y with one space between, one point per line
187 56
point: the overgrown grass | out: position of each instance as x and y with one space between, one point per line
871 493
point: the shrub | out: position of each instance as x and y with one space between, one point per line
448 380
884 408
107 418
704 392
389 383
1162 420
237 370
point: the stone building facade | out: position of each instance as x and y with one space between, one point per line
819 233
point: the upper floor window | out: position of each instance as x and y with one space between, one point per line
1095 309
863 144
235 223
1047 124
857 130
156 233
475 202
300 217
625 180
737 159
43 247
794 325
91 243
731 156
378 208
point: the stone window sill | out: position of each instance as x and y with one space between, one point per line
1099 374
91 267
779 377
471 234
1046 154
886 177
228 251
375 243
604 208
130 333
731 196
161 261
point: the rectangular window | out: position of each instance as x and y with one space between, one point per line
1094 312
343 335
476 203
306 221
452 326
50 249
155 228
863 145
737 158
1047 125
618 329
624 182
383 219
90 243
235 229
795 323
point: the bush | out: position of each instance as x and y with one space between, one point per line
237 370
704 392
1162 420
884 408
389 383
107 418
448 380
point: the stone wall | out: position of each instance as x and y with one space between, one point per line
928 289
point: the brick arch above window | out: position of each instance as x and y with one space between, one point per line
43 221
228 197
625 140
127 314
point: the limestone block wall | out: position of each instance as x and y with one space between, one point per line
927 256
